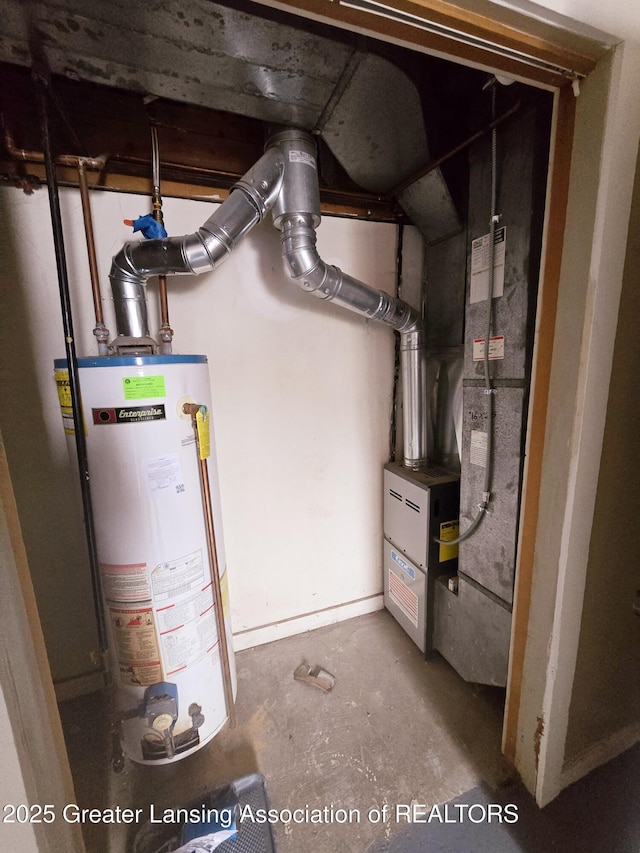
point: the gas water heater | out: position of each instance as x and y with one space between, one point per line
155 568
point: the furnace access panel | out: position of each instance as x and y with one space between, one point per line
419 507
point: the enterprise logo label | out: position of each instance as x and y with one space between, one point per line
129 415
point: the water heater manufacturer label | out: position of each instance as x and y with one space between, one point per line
129 414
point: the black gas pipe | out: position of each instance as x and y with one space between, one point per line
72 363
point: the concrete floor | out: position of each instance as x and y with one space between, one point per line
396 729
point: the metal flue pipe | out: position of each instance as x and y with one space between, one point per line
206 249
285 182
296 213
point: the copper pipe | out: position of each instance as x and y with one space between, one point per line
166 332
91 248
164 301
229 178
193 409
329 194
443 159
95 164
81 164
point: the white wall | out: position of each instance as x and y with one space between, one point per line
301 404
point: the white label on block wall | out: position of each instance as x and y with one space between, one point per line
496 348
478 450
479 289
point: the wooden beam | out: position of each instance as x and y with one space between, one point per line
117 178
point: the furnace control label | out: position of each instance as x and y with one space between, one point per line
479 285
449 531
496 348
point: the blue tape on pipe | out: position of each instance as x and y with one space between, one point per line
151 230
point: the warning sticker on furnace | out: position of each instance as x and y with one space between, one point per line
405 598
448 533
479 284
496 348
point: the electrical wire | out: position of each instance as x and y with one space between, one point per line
483 506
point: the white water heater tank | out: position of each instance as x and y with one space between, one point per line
152 548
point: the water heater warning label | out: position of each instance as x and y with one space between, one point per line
125 582
136 645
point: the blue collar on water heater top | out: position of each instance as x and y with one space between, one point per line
132 360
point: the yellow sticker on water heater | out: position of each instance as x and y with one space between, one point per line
224 591
448 533
64 396
204 435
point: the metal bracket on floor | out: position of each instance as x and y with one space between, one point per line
315 676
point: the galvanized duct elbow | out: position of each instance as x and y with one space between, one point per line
249 201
